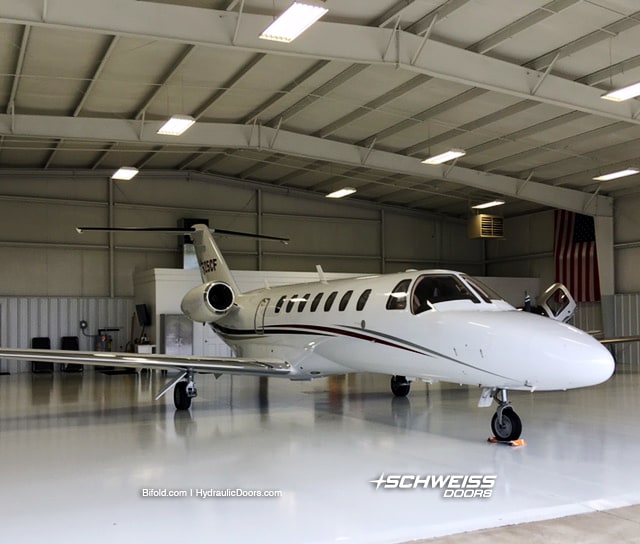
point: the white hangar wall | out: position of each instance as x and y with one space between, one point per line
42 255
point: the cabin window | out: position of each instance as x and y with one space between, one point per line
329 302
280 303
398 297
345 300
363 300
316 301
431 290
303 302
291 302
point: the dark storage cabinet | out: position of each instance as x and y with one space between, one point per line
71 343
41 342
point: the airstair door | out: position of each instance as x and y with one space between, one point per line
558 303
258 322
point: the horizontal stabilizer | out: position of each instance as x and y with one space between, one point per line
175 230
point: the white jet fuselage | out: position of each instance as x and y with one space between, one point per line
468 338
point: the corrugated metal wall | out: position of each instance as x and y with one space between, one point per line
22 318
627 323
588 317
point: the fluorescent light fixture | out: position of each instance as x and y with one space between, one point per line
341 193
623 94
488 204
293 22
125 173
446 156
618 174
177 125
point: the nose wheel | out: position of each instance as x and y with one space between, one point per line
506 425
400 386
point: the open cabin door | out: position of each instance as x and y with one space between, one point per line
258 320
557 302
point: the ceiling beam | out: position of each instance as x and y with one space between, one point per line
333 41
564 146
299 145
524 23
169 73
217 95
425 115
437 15
554 122
113 41
514 109
585 177
284 91
610 71
318 93
228 85
18 69
373 105
104 58
597 36
392 13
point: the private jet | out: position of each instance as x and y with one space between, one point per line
430 325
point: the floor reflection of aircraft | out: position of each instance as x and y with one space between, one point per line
432 325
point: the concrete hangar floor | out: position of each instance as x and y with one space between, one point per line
92 457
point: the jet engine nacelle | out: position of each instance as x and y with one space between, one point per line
209 302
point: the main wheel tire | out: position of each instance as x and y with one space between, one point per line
180 397
511 427
400 386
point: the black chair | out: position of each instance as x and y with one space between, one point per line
71 343
41 342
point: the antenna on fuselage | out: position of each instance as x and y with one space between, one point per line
321 274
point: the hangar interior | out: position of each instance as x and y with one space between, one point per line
359 100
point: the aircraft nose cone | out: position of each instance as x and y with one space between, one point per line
572 356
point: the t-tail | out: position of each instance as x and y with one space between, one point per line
217 295
213 267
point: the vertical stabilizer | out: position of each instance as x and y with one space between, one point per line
213 267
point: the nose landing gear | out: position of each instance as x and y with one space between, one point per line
505 423
400 386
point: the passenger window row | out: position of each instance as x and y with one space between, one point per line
315 303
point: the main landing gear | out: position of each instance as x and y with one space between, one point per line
400 386
505 423
184 391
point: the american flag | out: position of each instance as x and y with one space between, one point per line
575 255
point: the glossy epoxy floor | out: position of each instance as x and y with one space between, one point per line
77 451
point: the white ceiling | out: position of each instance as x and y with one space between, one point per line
357 100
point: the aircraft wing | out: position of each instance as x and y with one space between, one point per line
620 340
211 365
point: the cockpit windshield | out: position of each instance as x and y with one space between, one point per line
433 289
482 289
